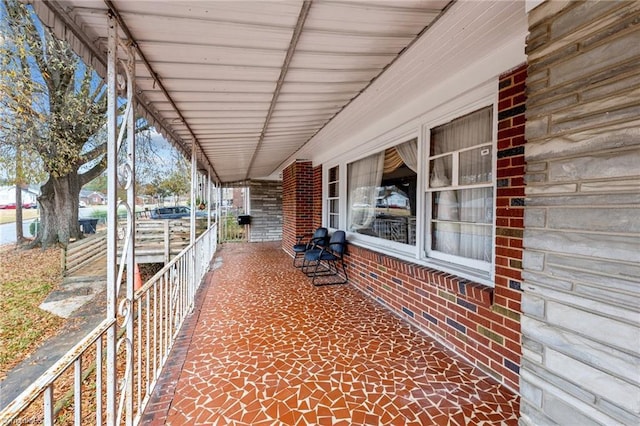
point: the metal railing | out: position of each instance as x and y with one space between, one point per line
73 390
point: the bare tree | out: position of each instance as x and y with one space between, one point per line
56 110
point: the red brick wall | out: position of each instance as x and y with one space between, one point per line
478 322
297 202
317 197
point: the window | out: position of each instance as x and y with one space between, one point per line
382 194
460 190
333 199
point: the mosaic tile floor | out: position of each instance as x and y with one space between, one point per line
268 348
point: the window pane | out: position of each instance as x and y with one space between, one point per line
475 166
333 174
333 189
476 205
458 215
333 206
382 194
441 169
334 221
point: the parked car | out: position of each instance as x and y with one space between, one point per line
12 206
170 212
178 212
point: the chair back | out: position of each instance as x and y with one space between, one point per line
338 242
320 237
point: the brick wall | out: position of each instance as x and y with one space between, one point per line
478 322
317 197
297 202
266 211
580 308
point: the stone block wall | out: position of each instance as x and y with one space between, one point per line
266 211
581 279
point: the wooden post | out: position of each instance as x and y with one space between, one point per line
167 242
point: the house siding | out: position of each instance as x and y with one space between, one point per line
581 302
478 322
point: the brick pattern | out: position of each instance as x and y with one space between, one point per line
580 266
297 202
480 323
317 197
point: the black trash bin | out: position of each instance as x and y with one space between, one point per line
88 226
244 219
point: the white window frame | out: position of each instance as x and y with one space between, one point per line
484 95
455 156
329 199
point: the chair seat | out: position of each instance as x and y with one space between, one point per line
300 248
318 239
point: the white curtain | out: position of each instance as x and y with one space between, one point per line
463 210
408 151
364 178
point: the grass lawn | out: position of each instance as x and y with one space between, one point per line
26 278
9 215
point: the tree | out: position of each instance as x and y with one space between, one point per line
176 184
56 107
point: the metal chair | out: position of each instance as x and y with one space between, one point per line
317 240
327 261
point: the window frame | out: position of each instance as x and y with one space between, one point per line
329 199
429 220
420 128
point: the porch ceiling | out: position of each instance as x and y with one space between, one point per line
250 81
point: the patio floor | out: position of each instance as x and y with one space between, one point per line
265 347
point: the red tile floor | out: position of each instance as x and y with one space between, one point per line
265 347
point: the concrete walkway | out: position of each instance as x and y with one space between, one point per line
70 301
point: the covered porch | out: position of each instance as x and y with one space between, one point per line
263 346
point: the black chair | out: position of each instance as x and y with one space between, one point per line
318 240
327 261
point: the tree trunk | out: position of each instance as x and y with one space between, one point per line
19 233
59 202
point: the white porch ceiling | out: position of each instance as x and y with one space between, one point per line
251 81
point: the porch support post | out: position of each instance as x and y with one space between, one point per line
209 197
192 280
194 184
130 185
112 206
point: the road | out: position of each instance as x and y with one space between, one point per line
8 231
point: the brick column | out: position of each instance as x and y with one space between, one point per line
317 196
297 202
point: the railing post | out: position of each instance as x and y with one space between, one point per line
167 242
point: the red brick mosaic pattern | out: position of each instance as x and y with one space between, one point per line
270 349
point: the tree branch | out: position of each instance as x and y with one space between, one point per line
93 173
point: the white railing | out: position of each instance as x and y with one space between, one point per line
73 390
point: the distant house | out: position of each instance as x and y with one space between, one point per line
97 198
8 196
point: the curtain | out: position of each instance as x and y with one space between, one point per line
364 178
408 151
468 209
